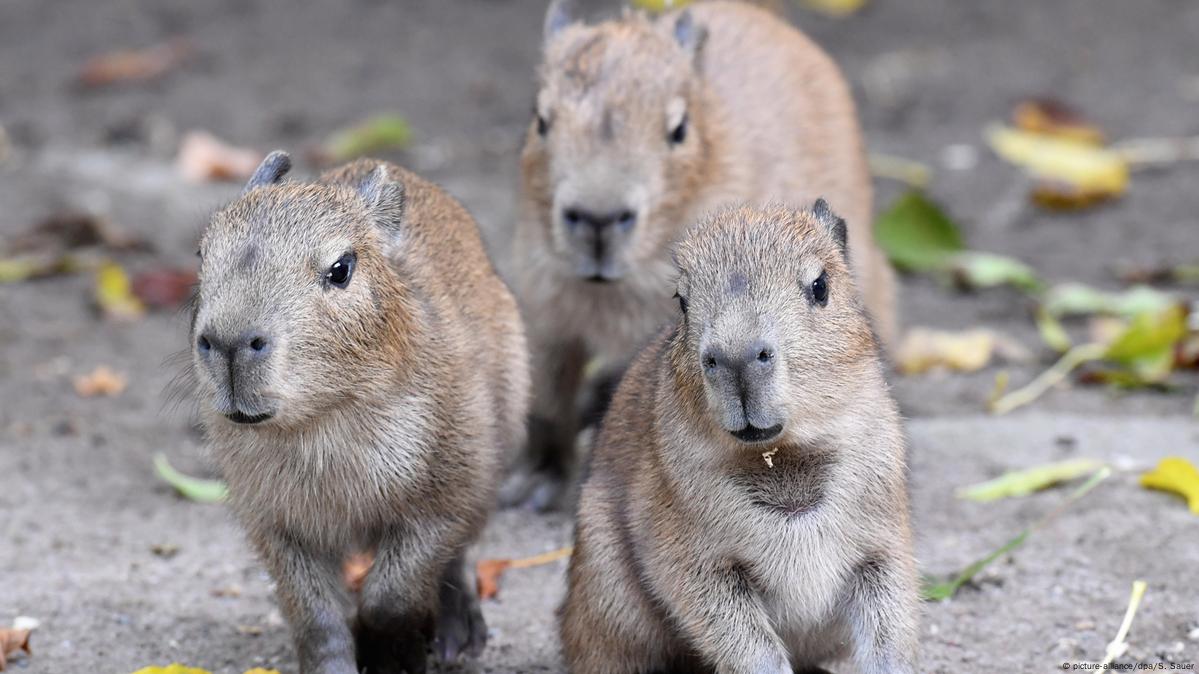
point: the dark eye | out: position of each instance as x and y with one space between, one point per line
543 126
679 133
339 274
820 289
682 302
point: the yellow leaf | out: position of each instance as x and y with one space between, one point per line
175 668
1081 167
835 7
1055 118
659 6
114 293
925 349
1029 480
1175 474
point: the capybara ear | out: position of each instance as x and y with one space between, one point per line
557 17
833 224
270 171
385 198
689 35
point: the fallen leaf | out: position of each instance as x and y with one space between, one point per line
11 641
164 288
1145 352
205 158
934 589
1177 475
1119 645
907 171
377 134
1147 346
1052 332
227 592
355 568
69 230
916 234
102 381
164 550
489 571
174 668
1023 482
134 65
1083 168
28 267
250 630
659 6
1055 118
1187 274
195 489
114 293
975 270
923 349
1076 299
837 8
1054 195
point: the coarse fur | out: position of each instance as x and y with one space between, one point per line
699 551
391 402
764 115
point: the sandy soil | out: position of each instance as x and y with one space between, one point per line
80 508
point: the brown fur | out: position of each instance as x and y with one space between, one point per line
693 554
394 401
769 117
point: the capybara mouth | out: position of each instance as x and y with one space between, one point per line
598 278
239 417
752 433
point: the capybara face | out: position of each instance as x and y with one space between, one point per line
288 316
772 320
615 141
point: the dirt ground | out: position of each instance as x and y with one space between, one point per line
80 508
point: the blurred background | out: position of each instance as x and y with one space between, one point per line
1036 178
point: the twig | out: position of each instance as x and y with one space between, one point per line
1049 378
1118 646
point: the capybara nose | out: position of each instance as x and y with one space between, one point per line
576 217
250 345
747 367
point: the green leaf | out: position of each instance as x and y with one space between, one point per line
1076 299
384 132
1146 347
916 234
195 489
1052 331
1029 480
935 589
972 269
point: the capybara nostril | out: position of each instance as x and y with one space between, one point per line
572 217
258 343
762 351
255 344
626 219
203 345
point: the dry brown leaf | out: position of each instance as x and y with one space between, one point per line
924 349
11 641
134 65
204 158
1056 118
489 571
103 381
164 288
355 568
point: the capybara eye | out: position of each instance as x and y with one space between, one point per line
682 302
679 133
339 274
820 289
543 126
